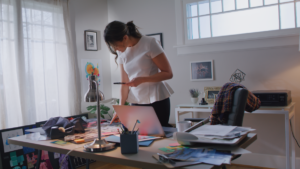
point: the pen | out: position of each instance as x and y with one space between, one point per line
137 130
122 129
125 129
119 83
137 121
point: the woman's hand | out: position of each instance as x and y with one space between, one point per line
135 82
115 119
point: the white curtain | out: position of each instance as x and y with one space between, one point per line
38 68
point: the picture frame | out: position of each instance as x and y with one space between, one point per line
90 40
158 37
210 94
202 70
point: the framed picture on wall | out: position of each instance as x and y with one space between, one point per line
158 37
90 40
201 70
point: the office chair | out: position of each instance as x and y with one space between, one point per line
235 117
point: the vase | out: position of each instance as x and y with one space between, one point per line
194 100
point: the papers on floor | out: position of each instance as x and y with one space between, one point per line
190 156
182 156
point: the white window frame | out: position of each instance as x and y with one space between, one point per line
268 39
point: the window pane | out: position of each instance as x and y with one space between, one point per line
48 33
254 3
268 2
205 27
48 18
285 1
298 13
193 32
204 7
191 9
247 21
36 16
287 18
216 6
229 5
241 4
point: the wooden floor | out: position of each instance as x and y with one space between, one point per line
103 165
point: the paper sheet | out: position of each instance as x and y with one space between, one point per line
217 130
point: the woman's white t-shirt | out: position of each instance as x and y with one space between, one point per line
137 62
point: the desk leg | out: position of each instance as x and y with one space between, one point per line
293 145
87 163
287 141
71 161
39 159
52 160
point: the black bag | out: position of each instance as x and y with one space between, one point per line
74 126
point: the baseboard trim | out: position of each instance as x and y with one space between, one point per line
263 160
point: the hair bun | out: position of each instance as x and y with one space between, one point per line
131 28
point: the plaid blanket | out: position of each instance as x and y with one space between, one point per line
224 101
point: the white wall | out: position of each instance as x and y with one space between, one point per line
268 68
92 15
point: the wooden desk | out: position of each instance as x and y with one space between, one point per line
287 111
143 159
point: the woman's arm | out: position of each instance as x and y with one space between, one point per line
124 88
124 91
165 73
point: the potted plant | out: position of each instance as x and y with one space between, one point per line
104 110
194 94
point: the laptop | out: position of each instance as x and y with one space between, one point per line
149 123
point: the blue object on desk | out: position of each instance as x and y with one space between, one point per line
146 143
116 139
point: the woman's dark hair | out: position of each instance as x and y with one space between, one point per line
116 30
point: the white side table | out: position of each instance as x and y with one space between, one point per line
288 111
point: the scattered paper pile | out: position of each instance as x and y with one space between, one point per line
190 156
208 156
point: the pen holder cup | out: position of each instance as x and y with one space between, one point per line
129 143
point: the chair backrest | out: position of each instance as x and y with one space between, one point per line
235 117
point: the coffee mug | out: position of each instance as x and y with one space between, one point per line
183 125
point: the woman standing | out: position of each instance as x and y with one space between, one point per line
144 66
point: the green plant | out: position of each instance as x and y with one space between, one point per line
126 103
103 109
194 93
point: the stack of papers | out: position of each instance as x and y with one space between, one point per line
213 134
220 132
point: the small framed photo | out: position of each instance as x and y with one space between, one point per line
202 70
211 93
90 40
158 37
